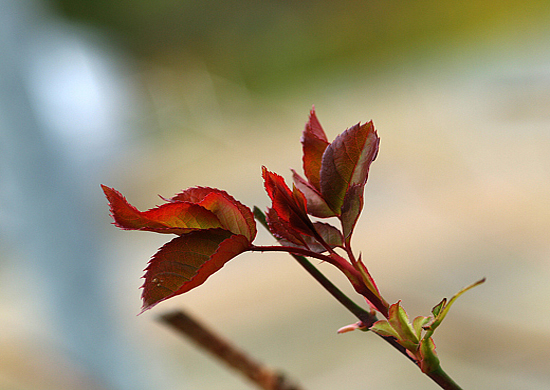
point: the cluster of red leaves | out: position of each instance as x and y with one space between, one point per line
336 176
212 227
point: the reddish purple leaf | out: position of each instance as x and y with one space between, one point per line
331 235
314 143
233 215
290 206
351 209
316 205
346 163
187 261
283 230
288 236
175 218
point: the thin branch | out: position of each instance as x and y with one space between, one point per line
264 377
363 315
342 264
443 380
438 376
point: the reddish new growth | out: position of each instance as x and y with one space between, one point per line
212 227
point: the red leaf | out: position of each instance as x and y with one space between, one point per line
283 230
314 143
316 205
176 218
187 261
233 215
346 163
290 206
351 209
331 235
193 194
289 236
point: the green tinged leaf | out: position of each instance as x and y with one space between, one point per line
429 361
384 328
443 307
397 325
418 323
400 322
437 308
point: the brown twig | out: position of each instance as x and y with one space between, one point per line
263 376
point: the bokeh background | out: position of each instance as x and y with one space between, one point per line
152 97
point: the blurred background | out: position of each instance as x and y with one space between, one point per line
152 97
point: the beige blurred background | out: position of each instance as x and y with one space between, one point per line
152 97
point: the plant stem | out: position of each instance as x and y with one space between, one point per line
363 315
438 376
293 251
443 380
263 376
351 273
